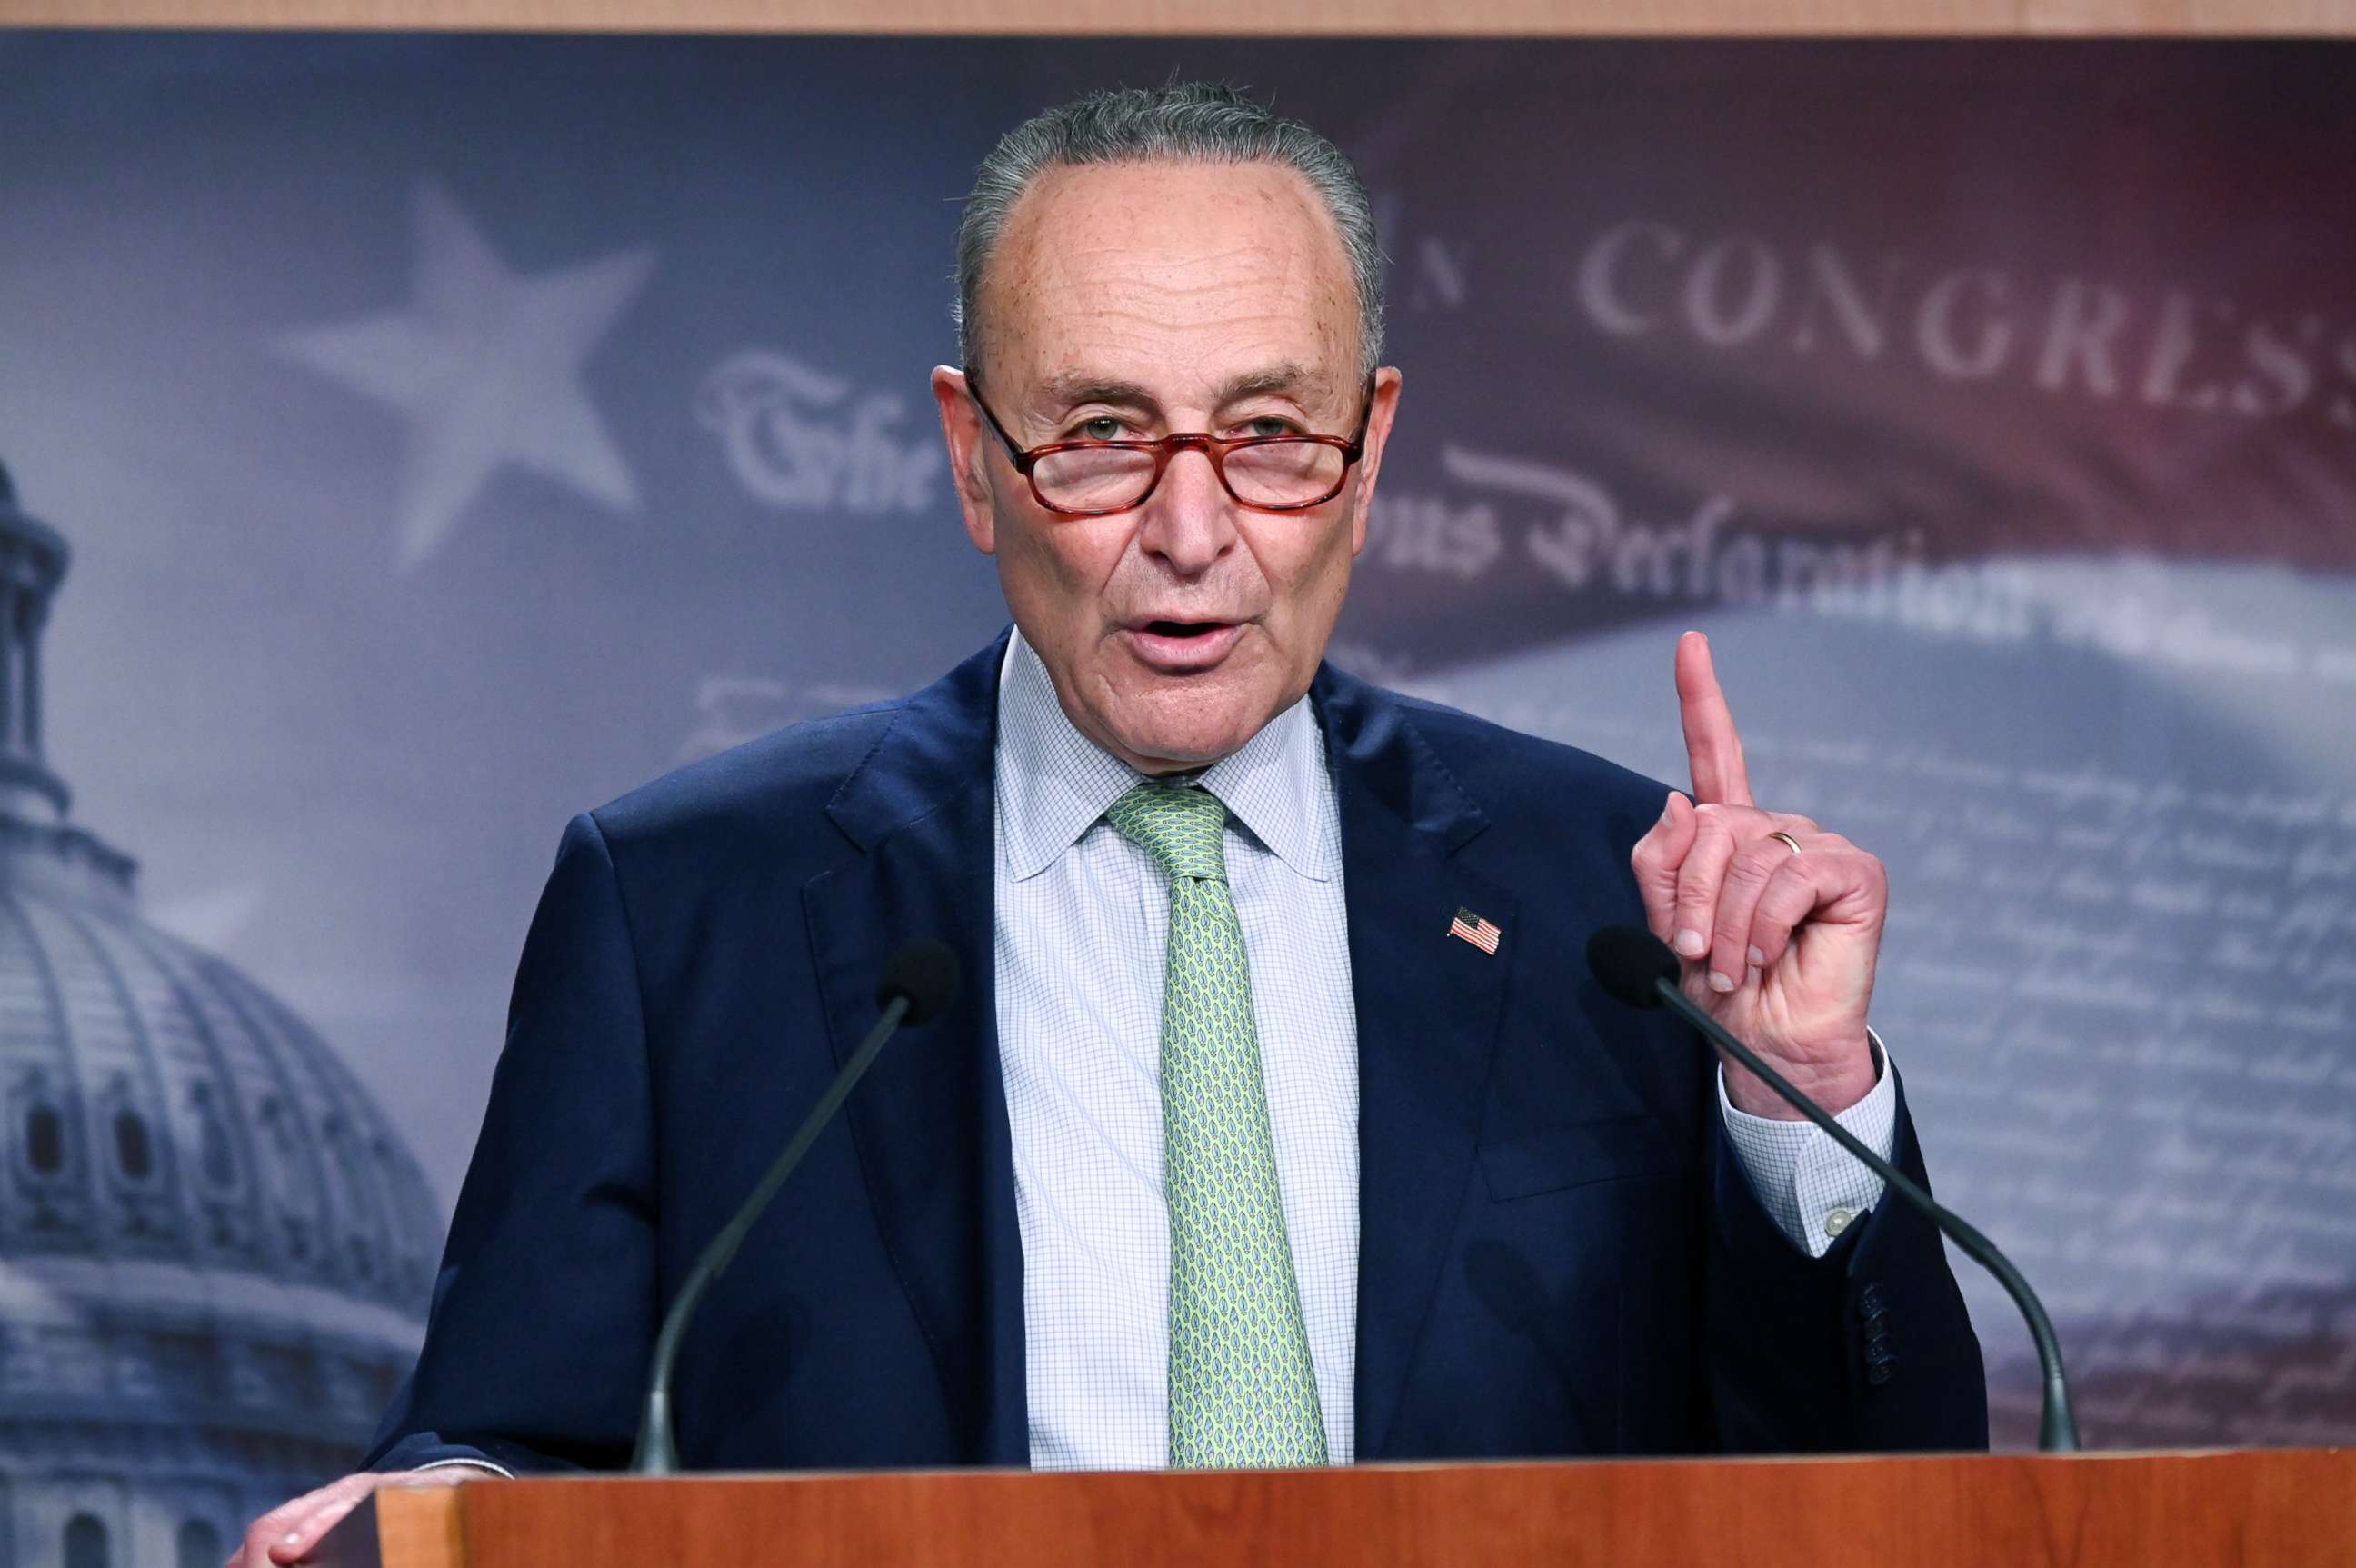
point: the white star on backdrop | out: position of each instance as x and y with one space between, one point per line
485 367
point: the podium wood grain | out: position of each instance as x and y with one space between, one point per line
2249 1508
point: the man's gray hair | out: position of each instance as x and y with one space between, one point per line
1183 122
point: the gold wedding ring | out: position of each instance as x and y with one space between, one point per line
1786 838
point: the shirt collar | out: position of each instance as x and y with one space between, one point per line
1054 782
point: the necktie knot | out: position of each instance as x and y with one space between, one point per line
1182 829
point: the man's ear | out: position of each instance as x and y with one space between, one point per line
969 455
1378 435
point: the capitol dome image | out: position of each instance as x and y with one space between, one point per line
215 1252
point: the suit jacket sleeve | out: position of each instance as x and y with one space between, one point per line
544 1310
1868 1347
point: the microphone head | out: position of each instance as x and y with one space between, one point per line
926 972
1627 959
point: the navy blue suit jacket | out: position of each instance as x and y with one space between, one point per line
1560 1252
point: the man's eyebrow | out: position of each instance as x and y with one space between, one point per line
1285 376
1071 390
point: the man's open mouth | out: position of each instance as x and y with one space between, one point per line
1183 647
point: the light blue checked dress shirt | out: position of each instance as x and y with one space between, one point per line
1082 924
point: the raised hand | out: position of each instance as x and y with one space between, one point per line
1778 944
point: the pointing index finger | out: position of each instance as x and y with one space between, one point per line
1713 750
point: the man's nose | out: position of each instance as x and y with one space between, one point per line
1190 518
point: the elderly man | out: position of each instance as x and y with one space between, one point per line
1277 1124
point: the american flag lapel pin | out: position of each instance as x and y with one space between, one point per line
1481 933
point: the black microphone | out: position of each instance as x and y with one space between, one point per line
919 981
1637 967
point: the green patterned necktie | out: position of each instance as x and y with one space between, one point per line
1243 1390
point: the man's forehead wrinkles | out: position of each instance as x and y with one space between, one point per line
1174 292
1086 270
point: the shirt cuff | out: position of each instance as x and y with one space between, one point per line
499 1470
1809 1184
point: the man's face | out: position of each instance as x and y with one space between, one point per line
1132 301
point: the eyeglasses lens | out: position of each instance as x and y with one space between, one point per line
1275 473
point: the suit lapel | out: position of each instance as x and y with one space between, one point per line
929 1121
1427 1010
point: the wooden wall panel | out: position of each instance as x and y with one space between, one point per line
1571 17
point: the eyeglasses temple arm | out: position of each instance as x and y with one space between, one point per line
1020 459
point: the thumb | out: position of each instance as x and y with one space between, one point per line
1658 858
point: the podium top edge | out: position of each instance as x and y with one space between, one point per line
2009 1457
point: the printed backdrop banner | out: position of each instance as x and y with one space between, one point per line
450 434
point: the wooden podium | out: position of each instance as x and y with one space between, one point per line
2261 1509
